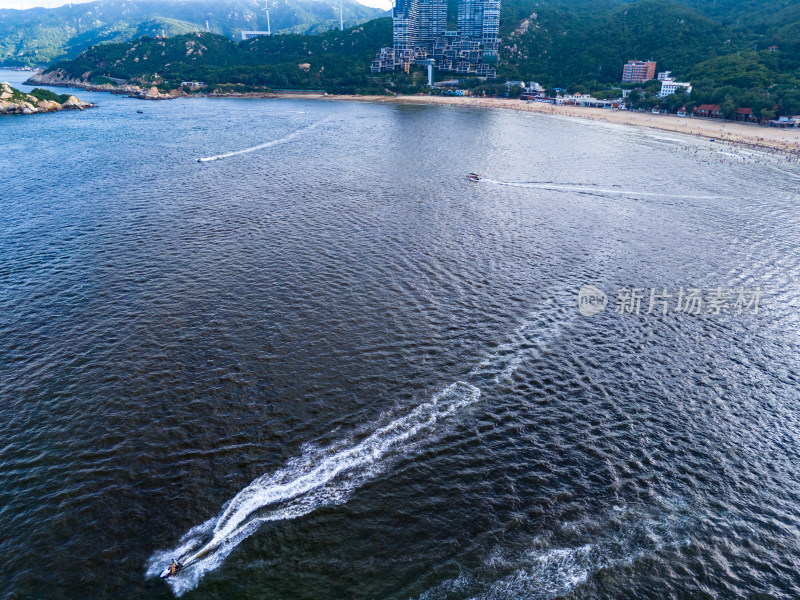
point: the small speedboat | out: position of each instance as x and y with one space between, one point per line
473 176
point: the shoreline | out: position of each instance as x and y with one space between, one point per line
754 137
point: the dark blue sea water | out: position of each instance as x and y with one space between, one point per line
331 367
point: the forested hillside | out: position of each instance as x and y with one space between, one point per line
40 35
335 61
735 53
722 47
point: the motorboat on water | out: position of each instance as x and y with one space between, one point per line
473 176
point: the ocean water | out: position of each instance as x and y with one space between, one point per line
325 365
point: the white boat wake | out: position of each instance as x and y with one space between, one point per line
593 190
555 568
288 138
328 476
320 477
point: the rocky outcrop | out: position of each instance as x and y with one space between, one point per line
154 94
57 77
48 106
14 102
72 103
60 78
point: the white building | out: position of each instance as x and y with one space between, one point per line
669 87
249 35
583 100
534 88
664 75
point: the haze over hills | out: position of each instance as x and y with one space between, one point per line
40 35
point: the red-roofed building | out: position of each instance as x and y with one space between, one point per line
744 114
708 110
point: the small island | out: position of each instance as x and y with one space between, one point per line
15 102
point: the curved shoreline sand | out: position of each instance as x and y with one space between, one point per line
768 139
752 136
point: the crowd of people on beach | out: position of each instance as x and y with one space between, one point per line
731 152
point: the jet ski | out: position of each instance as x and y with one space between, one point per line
473 176
172 570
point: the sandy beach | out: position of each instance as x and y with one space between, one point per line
752 136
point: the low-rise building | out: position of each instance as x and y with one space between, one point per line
249 35
744 114
385 61
670 86
535 88
532 90
583 100
708 110
664 75
782 122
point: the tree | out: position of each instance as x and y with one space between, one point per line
728 108
790 102
634 97
647 102
767 114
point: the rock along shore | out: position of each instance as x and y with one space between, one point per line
59 78
14 102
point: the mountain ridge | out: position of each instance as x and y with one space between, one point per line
40 36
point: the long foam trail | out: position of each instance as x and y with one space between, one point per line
592 190
283 140
528 340
328 476
319 477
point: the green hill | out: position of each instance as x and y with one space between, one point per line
335 61
40 35
579 44
720 47
565 48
